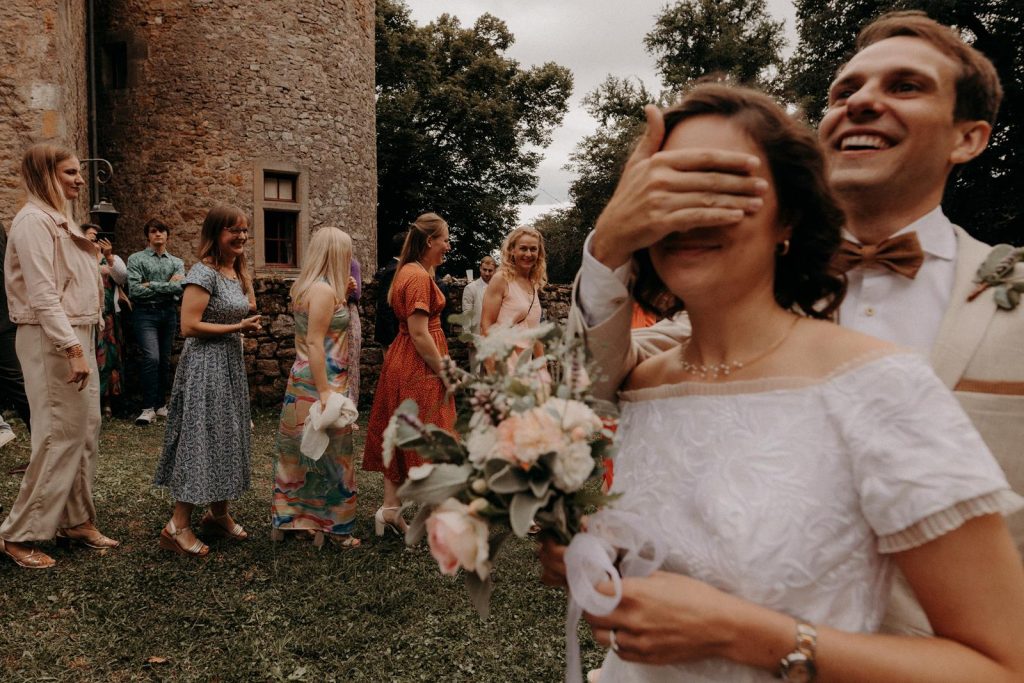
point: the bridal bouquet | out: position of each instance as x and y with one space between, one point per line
529 442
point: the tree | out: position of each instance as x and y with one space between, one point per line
984 195
459 126
694 38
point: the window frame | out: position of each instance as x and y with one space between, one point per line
298 205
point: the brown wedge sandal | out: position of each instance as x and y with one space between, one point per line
223 526
35 559
169 541
91 538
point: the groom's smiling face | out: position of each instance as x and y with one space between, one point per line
889 126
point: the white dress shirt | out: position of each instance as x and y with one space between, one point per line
878 301
473 300
897 309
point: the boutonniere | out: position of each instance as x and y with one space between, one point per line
997 272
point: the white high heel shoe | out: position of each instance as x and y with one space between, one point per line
398 526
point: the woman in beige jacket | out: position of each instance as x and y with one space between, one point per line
53 291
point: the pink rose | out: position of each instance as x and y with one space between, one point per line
457 538
524 437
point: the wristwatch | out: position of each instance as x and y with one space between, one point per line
798 666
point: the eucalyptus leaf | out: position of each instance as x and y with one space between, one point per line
495 543
464 319
524 507
444 482
539 484
563 392
418 526
408 407
1003 298
993 268
509 480
480 593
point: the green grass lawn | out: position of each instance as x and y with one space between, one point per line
260 611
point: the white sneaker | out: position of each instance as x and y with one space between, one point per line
161 411
145 417
6 436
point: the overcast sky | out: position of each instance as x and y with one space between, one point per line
593 38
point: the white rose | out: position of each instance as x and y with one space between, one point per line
574 416
572 466
480 444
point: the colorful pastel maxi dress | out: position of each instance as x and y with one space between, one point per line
315 495
109 340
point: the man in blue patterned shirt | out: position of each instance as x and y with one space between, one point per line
154 286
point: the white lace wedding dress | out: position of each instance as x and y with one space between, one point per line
791 492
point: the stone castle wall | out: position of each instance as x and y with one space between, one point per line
43 88
196 94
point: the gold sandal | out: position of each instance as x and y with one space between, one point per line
223 526
35 559
95 540
169 541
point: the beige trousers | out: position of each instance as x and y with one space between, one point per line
56 491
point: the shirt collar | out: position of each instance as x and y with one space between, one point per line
153 253
57 216
934 232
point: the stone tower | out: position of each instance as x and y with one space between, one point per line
43 86
258 103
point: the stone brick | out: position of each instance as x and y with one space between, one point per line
268 368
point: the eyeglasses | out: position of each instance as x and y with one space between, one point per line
237 231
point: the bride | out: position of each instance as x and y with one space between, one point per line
787 464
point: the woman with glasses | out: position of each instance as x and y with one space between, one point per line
207 443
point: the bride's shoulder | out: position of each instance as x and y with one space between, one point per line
827 348
655 370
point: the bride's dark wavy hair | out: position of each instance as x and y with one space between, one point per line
803 279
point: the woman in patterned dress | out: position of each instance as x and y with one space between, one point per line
412 362
209 430
318 496
512 297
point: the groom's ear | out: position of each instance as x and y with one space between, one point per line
972 139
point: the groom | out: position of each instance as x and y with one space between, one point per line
912 104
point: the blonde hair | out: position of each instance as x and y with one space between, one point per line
328 257
539 271
39 173
426 226
219 218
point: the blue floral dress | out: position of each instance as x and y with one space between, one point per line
208 440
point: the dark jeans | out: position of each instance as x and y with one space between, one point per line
154 332
12 384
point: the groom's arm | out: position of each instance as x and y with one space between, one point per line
602 310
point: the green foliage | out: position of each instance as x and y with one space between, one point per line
459 127
983 196
738 38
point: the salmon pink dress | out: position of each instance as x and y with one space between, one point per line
405 375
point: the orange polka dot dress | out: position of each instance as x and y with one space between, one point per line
405 375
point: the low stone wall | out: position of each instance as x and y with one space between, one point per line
269 355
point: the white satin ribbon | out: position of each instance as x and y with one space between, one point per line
339 413
590 559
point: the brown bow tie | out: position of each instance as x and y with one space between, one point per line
901 254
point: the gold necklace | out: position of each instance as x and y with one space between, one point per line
713 371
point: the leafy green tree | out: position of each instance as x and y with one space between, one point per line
459 127
694 38
984 195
